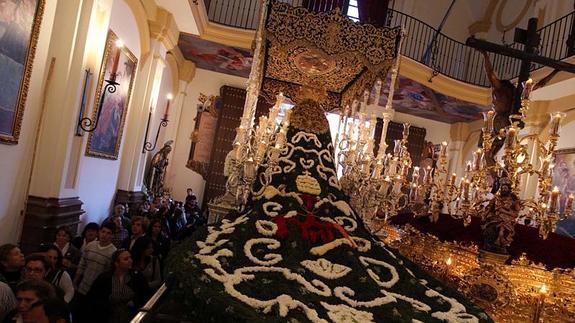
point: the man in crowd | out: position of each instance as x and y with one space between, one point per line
96 259
139 227
122 224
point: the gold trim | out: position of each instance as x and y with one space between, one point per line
111 39
25 81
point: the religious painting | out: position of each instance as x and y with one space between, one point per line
216 57
204 133
414 98
120 63
19 28
564 179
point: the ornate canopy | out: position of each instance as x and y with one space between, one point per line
325 51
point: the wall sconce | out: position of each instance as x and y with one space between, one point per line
87 124
148 146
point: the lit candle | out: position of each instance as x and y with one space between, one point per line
415 175
385 185
169 97
569 205
428 175
466 184
413 192
478 156
406 127
527 87
553 199
540 301
453 179
511 132
443 151
488 118
555 122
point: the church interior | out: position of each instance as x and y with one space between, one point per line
287 160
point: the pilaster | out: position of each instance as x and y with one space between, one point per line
144 99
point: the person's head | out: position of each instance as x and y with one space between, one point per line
143 248
53 255
7 10
139 225
106 232
36 267
504 186
11 258
121 260
119 210
90 232
189 191
155 227
31 296
63 236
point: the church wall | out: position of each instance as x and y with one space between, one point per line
179 177
98 177
436 132
16 161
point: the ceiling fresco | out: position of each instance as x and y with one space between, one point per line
216 57
414 98
410 97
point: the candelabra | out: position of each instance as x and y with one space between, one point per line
255 149
540 210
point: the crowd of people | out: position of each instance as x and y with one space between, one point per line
103 275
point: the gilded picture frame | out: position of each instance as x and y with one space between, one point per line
19 30
105 141
564 179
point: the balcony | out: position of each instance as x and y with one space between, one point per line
422 42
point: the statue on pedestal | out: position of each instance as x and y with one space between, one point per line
499 219
155 176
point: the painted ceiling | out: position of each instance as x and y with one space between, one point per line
216 57
410 97
414 98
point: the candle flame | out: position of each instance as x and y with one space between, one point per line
119 43
170 96
543 289
449 261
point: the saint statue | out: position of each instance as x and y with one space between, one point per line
155 177
499 219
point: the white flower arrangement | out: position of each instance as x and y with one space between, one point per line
325 268
456 313
271 258
267 228
367 261
271 209
323 249
344 314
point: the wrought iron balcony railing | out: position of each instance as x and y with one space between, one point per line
422 42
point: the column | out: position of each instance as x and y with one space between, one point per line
53 197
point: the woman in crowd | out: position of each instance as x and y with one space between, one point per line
161 242
89 234
116 295
11 264
146 262
56 275
70 253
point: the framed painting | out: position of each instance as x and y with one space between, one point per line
19 28
564 179
104 142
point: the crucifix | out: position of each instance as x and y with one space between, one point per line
506 97
530 40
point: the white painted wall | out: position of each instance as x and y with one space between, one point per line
16 160
98 177
179 177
